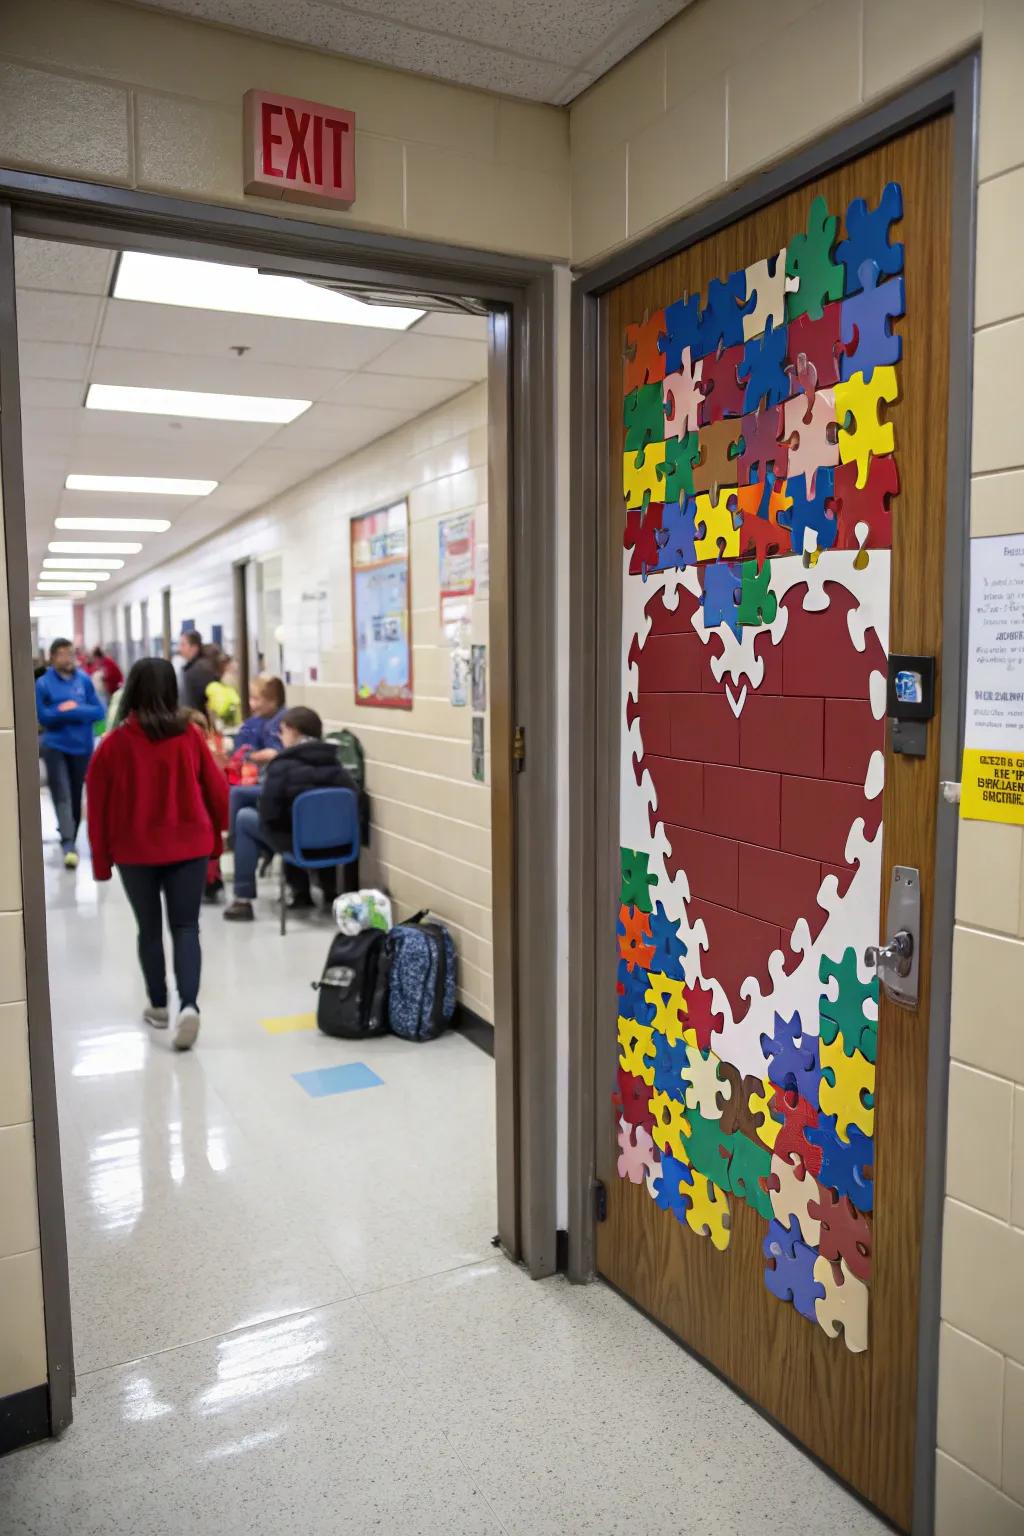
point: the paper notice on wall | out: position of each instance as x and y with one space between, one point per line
992 781
459 665
455 555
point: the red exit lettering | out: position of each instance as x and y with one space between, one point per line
299 150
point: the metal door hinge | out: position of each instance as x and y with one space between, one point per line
600 1201
519 748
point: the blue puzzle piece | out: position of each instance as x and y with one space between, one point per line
668 1196
793 1058
682 331
869 341
670 1062
722 583
721 321
633 1003
867 237
677 535
669 948
844 1164
763 369
810 511
789 1274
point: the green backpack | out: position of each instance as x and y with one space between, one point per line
350 755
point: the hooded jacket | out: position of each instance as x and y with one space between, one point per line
310 765
69 730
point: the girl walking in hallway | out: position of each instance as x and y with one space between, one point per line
157 807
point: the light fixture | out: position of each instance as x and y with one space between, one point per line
65 586
93 547
140 485
65 575
113 524
192 402
76 563
245 291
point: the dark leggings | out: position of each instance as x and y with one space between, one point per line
182 886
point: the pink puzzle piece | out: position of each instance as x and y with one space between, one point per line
637 1154
810 430
682 397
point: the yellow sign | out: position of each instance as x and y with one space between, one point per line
992 788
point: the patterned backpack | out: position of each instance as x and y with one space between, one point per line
422 969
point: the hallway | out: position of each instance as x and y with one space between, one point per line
287 1311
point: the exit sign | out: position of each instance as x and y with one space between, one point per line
298 150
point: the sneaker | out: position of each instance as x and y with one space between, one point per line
156 1018
212 895
239 912
186 1028
299 901
71 859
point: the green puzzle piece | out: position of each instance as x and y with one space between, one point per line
643 416
636 881
809 258
677 470
704 1148
845 1015
758 603
750 1162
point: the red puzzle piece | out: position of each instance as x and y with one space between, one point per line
635 1096
872 504
722 391
639 536
845 1232
818 341
796 1115
699 1015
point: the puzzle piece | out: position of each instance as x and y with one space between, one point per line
643 525
845 1232
721 390
721 583
735 1105
847 1090
844 1015
763 369
682 395
708 1212
641 481
631 986
637 1156
868 434
671 1124
812 435
634 930
643 417
668 994
766 1126
809 259
747 1168
791 1191
809 518
706 1089
636 879
818 342
798 1118
707 1149
700 1016
766 295
845 1165
721 320
869 341
681 333
669 949
717 534
644 359
682 455
676 538
635 1099
793 1058
761 539
757 603
670 1062
636 1049
719 458
763 447
867 237
790 1270
870 505
674 1188
803 377
843 1303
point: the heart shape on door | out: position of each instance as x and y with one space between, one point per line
758 790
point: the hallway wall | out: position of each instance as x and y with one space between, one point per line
648 146
431 840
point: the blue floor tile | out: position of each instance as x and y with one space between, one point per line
344 1079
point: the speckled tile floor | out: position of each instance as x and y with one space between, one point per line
287 1313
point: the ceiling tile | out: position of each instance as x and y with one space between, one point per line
384 390
464 327
228 374
48 360
64 317
61 268
63 394
433 357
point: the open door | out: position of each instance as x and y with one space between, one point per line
777 399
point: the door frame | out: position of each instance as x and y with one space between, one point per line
594 677
520 293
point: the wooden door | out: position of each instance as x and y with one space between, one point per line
777 400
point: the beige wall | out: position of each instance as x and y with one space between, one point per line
431 839
110 93
647 145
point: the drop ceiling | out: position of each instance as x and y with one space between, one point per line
363 383
529 48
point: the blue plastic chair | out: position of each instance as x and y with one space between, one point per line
321 819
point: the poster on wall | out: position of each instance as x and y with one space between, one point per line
455 556
381 616
456 620
459 676
992 786
479 675
478 748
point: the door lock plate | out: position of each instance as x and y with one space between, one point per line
897 962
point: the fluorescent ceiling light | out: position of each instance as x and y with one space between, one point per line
244 291
113 524
65 575
191 402
92 547
65 586
75 563
140 485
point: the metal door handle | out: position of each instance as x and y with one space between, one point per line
895 956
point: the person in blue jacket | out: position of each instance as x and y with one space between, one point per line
67 707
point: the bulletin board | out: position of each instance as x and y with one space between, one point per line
381 612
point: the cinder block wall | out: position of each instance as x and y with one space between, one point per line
726 89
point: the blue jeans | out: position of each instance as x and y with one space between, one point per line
182 886
65 774
240 797
249 846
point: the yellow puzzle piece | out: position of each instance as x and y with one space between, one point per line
844 1079
845 1302
769 1128
868 434
708 1211
670 1125
668 998
636 1043
640 474
718 526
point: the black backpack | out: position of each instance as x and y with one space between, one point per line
353 990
